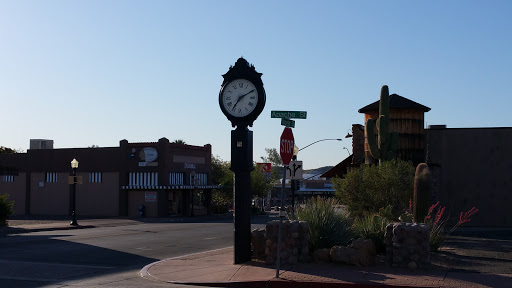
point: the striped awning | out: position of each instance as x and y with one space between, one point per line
172 187
315 191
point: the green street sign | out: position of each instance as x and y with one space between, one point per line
288 123
289 114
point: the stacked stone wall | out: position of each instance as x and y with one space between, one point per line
294 242
407 245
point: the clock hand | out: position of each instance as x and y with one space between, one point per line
235 104
245 94
240 98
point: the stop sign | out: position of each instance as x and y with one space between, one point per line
287 143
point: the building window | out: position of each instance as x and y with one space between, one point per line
50 177
199 179
95 177
143 179
8 178
176 178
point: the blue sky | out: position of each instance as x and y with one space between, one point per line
96 72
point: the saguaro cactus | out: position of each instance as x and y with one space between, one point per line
422 192
384 147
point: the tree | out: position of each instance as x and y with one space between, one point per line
223 176
6 209
273 157
260 185
179 141
7 150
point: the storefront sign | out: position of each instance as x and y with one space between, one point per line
148 154
150 196
190 166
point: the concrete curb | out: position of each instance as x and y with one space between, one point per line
270 282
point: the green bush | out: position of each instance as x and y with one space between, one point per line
5 208
369 188
328 226
371 227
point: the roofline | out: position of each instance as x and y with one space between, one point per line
376 103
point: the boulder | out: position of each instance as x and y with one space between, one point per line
321 255
361 252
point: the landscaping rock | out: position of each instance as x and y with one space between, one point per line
361 252
412 265
322 255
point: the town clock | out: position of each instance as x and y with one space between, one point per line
242 96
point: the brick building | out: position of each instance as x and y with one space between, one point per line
165 177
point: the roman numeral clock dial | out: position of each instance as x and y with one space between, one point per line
239 97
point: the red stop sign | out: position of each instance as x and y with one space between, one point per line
287 143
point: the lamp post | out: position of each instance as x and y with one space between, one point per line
347 150
74 166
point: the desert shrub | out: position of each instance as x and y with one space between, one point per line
369 188
5 208
328 226
437 225
373 227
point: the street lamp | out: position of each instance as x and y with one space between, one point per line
317 142
295 153
347 150
74 166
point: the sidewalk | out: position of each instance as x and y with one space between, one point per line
216 269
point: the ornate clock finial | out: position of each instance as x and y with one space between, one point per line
242 62
242 69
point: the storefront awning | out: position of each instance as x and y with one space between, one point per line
173 187
309 191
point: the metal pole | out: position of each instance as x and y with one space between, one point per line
73 214
292 186
281 215
292 183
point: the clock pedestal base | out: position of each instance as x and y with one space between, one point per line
242 165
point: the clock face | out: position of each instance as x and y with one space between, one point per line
239 97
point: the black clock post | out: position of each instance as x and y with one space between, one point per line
241 165
242 99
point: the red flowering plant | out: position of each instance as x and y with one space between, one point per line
437 226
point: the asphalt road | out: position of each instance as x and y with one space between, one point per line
105 256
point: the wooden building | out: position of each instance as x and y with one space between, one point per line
408 119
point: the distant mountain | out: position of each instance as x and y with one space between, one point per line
316 171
